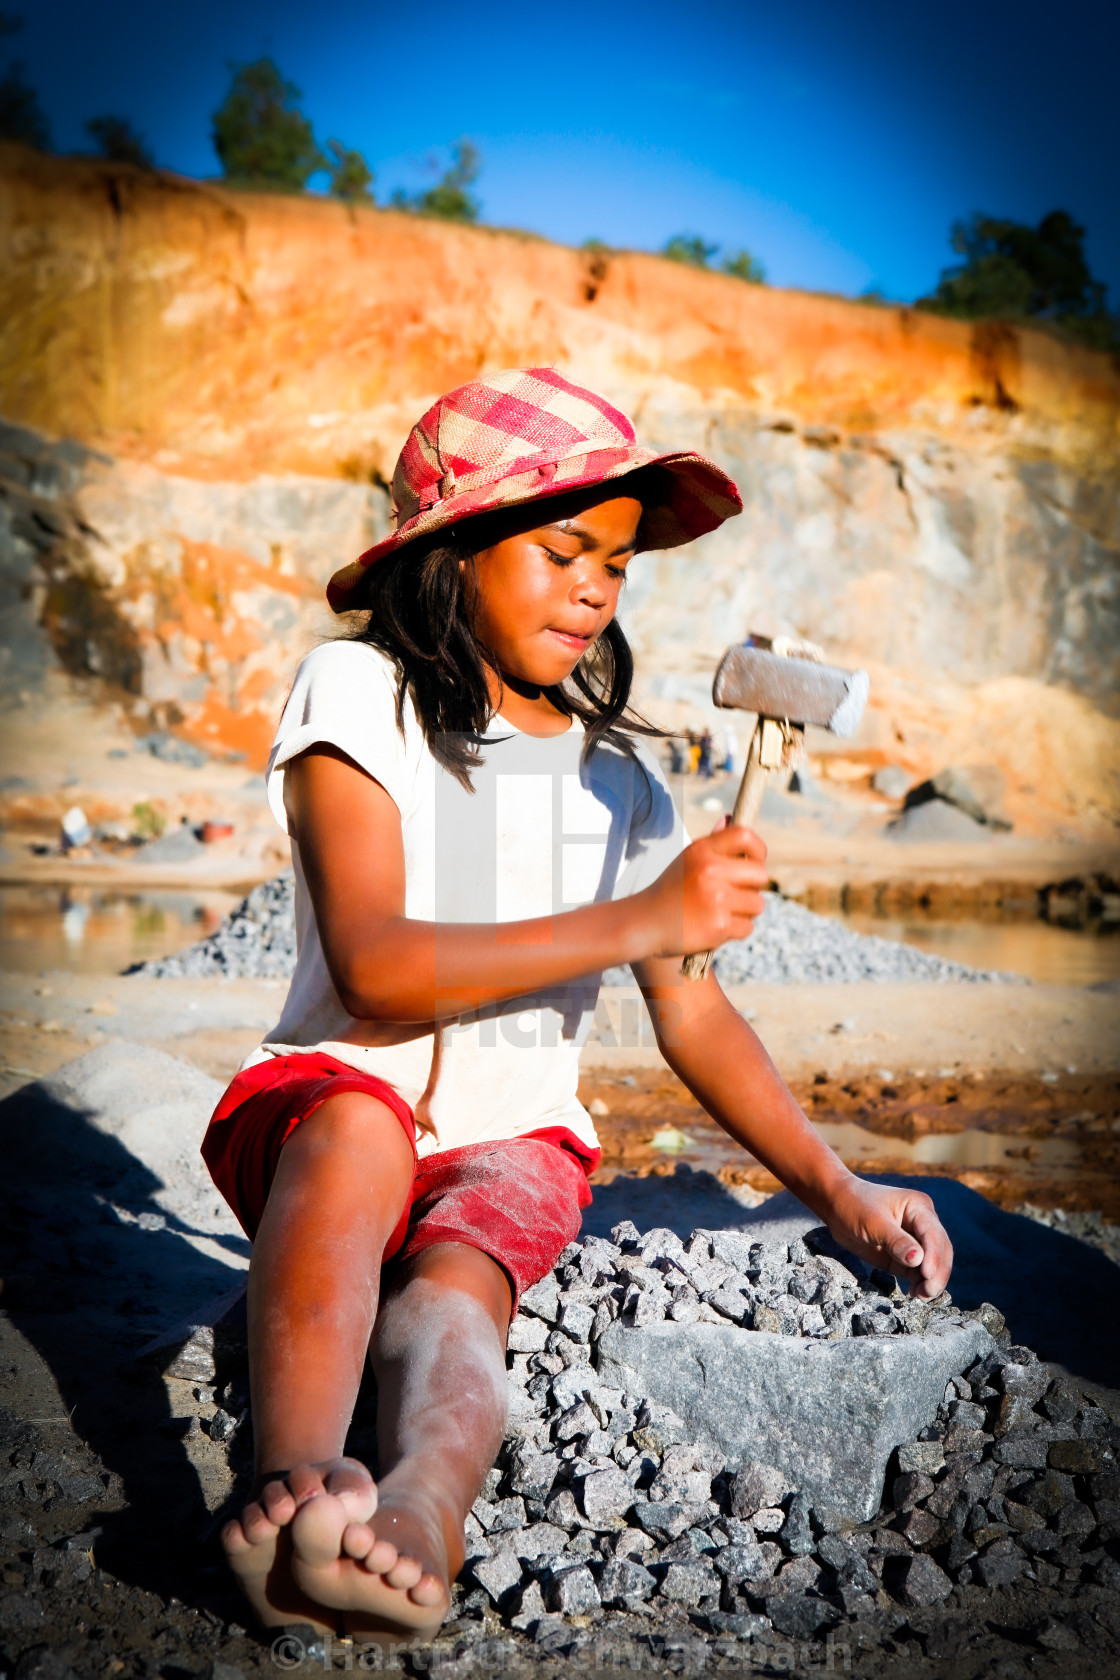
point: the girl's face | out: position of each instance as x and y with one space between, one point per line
546 593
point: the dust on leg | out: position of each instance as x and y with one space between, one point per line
439 1356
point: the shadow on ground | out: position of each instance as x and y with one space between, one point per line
92 1267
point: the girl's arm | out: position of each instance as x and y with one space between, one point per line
714 1052
388 967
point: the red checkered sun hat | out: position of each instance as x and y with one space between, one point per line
522 434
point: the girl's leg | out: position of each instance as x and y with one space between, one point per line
439 1355
341 1183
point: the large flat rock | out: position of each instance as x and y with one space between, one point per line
828 1414
128 1120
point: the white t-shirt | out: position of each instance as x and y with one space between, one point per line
541 833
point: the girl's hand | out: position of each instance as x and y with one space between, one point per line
712 893
895 1229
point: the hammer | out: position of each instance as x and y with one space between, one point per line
786 685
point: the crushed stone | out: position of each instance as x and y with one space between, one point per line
790 945
604 1537
598 1499
257 941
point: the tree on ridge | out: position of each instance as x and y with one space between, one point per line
449 198
689 248
1016 272
261 136
743 266
118 142
351 177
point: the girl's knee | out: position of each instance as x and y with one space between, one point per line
353 1124
458 1267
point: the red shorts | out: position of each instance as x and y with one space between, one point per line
520 1200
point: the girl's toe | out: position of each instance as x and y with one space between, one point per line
429 1590
234 1539
306 1482
352 1483
358 1540
257 1525
405 1573
277 1503
317 1530
381 1557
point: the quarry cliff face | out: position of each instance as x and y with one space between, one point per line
936 499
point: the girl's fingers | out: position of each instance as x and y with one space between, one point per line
743 841
936 1263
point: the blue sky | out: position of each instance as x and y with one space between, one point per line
836 143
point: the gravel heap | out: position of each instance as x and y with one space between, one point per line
599 1499
790 945
257 941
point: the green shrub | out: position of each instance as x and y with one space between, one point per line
260 135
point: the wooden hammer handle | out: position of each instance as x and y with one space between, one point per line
744 811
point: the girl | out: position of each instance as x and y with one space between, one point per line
476 835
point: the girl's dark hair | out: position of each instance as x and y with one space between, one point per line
419 616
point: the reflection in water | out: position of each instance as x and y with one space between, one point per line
74 919
963 1149
1047 1157
1056 956
92 931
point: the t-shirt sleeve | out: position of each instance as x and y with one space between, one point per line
657 834
345 696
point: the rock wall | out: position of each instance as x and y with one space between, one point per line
937 500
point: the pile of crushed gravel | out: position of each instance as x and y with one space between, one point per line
603 1524
600 1499
257 941
790 945
802 1288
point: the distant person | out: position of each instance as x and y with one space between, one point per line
404 1170
704 756
693 752
676 757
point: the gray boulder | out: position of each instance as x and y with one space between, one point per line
935 819
976 791
892 781
827 1414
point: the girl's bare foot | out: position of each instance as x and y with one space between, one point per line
407 1560
318 1548
259 1545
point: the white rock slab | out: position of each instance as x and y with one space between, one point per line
828 1414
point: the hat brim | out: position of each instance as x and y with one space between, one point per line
700 497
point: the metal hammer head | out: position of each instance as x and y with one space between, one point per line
798 691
